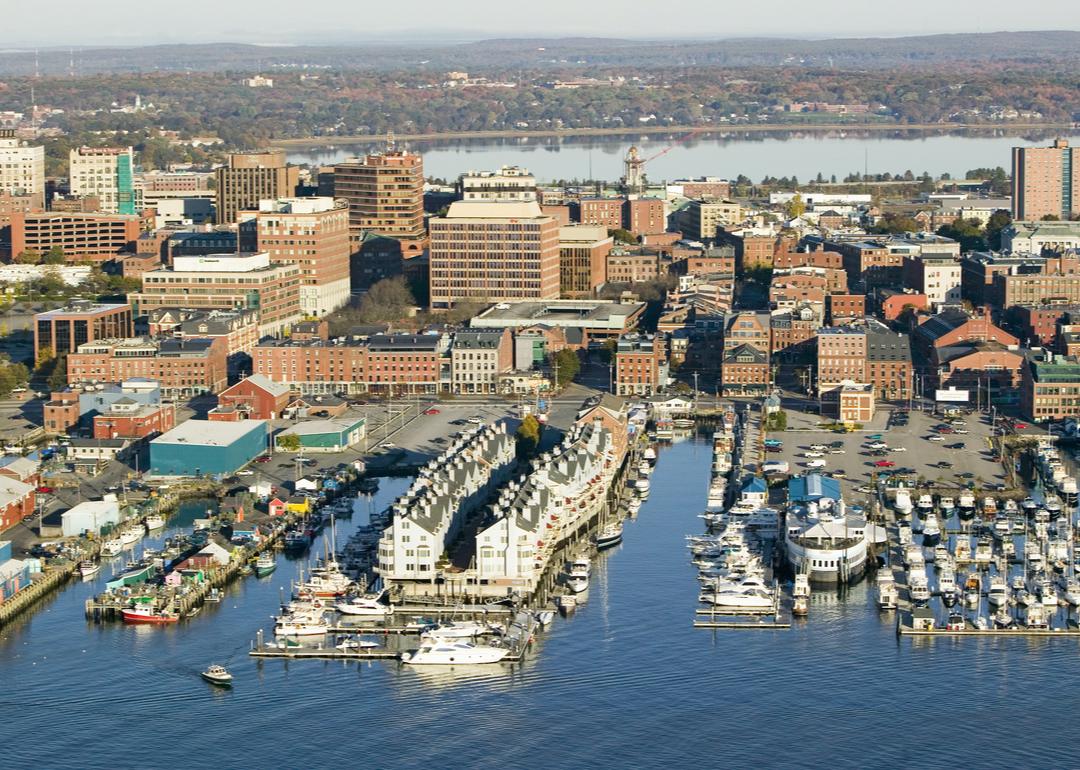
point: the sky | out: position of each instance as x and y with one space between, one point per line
77 22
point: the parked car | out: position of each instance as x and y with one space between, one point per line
262 459
898 449
836 444
879 445
884 464
474 420
245 473
813 454
957 445
1019 425
960 431
44 490
431 411
816 464
934 438
818 447
944 464
874 437
837 451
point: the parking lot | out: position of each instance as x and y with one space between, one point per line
923 457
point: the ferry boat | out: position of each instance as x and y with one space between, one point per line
824 541
146 614
438 652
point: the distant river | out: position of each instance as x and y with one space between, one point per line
626 683
755 154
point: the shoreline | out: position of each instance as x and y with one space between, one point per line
762 128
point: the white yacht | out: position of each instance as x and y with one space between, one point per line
456 629
887 593
579 567
966 505
370 606
984 551
946 504
750 599
437 652
308 626
931 529
902 503
924 504
641 485
998 595
947 585
131 535
919 586
576 583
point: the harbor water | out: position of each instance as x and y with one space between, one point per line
625 682
803 154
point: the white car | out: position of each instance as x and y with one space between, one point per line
813 454
474 421
898 449
837 451
245 473
818 447
816 464
879 445
935 437
386 445
960 431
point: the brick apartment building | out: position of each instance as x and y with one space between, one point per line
601 212
745 371
645 216
254 398
638 365
845 307
1038 325
477 358
793 333
127 419
755 249
632 266
1050 387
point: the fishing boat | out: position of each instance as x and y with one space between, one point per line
217 675
154 521
305 626
146 614
134 574
442 653
972 590
609 536
265 564
566 603
88 569
296 540
131 535
112 547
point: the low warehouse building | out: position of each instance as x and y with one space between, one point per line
207 448
90 516
326 435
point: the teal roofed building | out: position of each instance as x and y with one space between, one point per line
813 487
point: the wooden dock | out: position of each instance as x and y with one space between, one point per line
903 629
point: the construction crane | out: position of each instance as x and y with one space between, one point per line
634 165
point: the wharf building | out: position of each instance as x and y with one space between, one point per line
313 234
22 169
493 252
80 403
252 177
107 174
430 517
246 281
532 518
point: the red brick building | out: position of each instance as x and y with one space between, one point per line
645 216
787 260
632 267
845 307
82 237
601 212
745 372
128 419
755 249
61 412
892 305
16 501
255 398
637 365
183 368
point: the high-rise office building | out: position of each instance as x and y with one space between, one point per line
22 169
108 174
385 192
312 233
1046 181
251 177
490 252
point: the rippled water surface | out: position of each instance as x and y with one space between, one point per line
626 682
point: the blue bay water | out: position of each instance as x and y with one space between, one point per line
626 682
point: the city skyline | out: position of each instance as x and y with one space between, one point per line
247 22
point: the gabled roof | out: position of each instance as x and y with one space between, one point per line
262 382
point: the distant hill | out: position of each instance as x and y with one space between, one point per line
541 53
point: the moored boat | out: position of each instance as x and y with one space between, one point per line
88 569
265 564
609 536
438 652
146 614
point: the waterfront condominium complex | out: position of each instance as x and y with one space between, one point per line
313 234
251 177
22 169
492 252
226 282
1046 181
385 192
105 173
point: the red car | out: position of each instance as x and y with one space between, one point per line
262 459
1019 425
884 464
946 430
431 411
45 490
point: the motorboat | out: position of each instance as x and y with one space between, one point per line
641 485
88 569
1002 619
962 549
981 623
370 606
217 675
1036 617
579 567
577 584
609 536
349 644
972 591
1009 507
147 615
919 586
802 585
1029 505
947 506
984 551
989 507
112 547
955 622
438 652
902 503
931 529
903 533
566 603
947 585
456 629
998 595
924 504
941 555
154 521
649 454
545 618
887 593
131 535
750 599
965 507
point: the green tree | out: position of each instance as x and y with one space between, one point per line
289 442
45 355
795 207
566 364
623 236
528 437
58 378
387 300
1050 218
54 256
998 221
28 257
968 232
